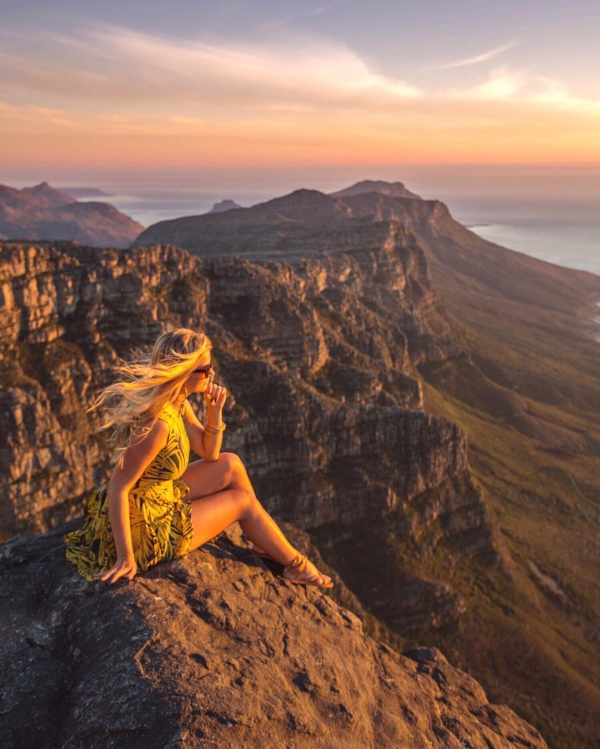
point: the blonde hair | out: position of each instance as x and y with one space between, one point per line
147 383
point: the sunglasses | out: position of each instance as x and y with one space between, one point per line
203 370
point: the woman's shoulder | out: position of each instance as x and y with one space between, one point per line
149 432
167 412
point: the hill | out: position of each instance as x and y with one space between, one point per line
41 212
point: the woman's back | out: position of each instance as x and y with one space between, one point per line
173 459
161 522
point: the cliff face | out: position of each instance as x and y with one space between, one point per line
41 212
319 359
212 650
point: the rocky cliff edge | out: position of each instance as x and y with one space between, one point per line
213 650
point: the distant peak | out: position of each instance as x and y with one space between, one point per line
393 189
224 205
46 195
42 187
304 196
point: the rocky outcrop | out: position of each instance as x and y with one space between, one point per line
42 212
212 650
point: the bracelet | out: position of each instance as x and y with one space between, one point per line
213 429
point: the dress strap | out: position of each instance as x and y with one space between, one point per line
168 411
165 414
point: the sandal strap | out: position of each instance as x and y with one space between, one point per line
299 561
300 564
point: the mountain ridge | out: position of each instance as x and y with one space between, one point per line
42 212
396 189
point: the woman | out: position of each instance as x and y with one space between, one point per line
139 518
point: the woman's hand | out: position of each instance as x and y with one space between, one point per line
214 396
125 567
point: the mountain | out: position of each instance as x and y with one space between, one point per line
287 349
289 228
41 212
423 402
394 189
46 196
224 205
213 650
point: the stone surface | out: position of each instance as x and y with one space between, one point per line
213 650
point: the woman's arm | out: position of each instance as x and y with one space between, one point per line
136 459
195 431
207 442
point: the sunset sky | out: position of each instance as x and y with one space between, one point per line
243 82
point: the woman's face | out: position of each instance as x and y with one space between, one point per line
200 382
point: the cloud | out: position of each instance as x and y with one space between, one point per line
34 114
318 11
126 79
479 58
525 88
501 84
118 65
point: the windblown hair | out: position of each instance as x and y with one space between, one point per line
147 383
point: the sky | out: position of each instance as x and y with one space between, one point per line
243 83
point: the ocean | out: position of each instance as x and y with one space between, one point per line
564 233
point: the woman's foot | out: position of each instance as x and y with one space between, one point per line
303 572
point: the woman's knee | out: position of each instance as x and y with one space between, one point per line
247 502
233 463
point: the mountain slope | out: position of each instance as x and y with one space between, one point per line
534 435
528 396
41 212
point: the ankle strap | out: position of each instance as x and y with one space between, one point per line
298 560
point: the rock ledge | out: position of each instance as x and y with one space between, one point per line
213 650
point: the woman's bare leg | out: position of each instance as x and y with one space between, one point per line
220 494
215 512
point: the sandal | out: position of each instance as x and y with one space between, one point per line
299 565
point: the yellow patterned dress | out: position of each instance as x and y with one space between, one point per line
161 522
